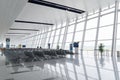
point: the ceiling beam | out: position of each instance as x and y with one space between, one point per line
23 29
14 35
18 33
57 6
20 21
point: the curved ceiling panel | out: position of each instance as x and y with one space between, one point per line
9 10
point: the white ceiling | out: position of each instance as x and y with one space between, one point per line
38 13
86 5
10 9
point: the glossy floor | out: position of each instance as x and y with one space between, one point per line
73 67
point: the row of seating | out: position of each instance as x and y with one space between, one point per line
33 54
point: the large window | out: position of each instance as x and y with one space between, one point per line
92 23
118 32
80 26
56 39
61 39
89 45
90 35
63 29
71 28
56 35
78 36
69 37
107 19
105 32
57 31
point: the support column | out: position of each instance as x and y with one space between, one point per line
82 45
114 37
46 33
50 35
74 32
42 40
65 33
74 29
39 38
36 40
54 35
32 41
96 43
26 42
60 34
46 38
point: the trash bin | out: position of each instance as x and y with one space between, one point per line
76 45
76 50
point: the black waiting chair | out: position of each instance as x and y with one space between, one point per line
30 56
40 55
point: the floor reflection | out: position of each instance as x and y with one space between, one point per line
69 68
102 63
118 59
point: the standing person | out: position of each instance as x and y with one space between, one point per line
48 45
40 47
71 48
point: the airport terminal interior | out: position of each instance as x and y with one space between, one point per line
59 40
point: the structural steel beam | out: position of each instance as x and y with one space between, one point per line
20 21
57 6
23 29
17 33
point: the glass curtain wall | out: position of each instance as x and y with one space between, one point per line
55 35
105 32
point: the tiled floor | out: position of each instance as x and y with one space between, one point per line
73 67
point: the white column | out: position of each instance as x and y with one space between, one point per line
65 33
42 39
45 37
60 34
54 35
76 49
96 43
74 29
39 35
39 39
82 45
50 35
32 45
114 37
